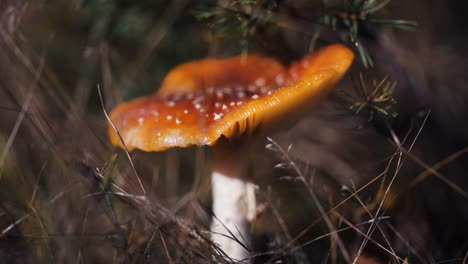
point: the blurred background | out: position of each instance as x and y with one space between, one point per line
385 153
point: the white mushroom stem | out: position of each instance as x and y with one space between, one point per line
234 208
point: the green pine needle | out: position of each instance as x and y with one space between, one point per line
350 16
376 100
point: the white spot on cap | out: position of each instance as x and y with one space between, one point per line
217 104
178 121
218 116
173 137
252 88
227 90
294 74
197 106
279 79
260 82
224 107
141 120
198 100
177 96
185 111
232 103
169 117
171 103
255 96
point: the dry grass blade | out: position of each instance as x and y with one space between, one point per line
288 250
232 236
169 259
392 251
387 190
315 222
50 202
44 235
433 170
157 34
405 242
22 114
371 181
300 257
122 141
315 199
389 251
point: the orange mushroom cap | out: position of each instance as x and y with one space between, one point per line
199 102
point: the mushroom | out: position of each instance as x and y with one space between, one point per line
220 103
